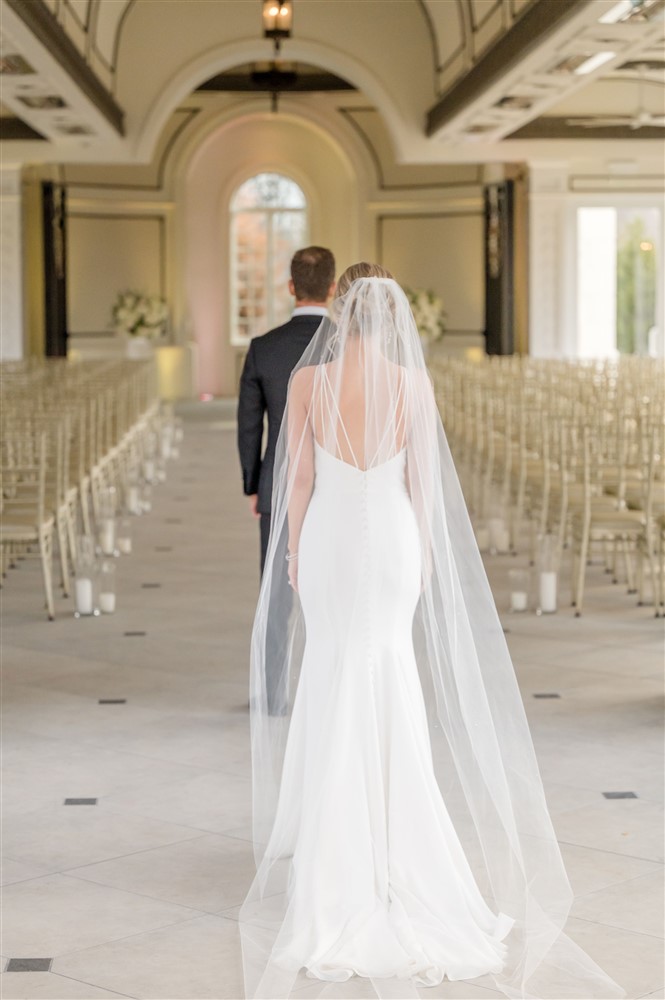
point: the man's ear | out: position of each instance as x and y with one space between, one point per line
292 287
331 290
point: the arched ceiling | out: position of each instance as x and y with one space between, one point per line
101 72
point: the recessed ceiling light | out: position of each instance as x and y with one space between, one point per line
631 10
515 102
14 65
74 130
42 102
594 62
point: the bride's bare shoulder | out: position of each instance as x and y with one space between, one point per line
302 381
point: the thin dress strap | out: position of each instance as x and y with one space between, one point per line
331 397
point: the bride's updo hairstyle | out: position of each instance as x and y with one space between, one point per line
360 270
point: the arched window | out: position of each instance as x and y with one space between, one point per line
268 224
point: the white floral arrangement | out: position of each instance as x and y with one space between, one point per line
428 312
139 315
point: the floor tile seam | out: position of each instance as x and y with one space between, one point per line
142 757
196 910
84 982
127 937
621 882
614 927
144 850
130 854
209 770
69 872
163 760
596 792
658 989
101 861
618 854
201 831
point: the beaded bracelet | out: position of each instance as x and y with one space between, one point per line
291 556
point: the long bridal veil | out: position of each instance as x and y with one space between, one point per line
362 393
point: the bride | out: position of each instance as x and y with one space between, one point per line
401 831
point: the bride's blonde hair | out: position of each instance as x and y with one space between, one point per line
360 270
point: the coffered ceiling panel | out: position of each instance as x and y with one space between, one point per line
108 23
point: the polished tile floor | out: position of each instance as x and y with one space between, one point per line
135 892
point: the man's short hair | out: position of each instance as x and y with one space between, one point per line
313 272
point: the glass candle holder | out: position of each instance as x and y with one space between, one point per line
106 530
499 534
146 498
482 536
133 494
107 587
108 502
519 589
548 574
166 441
86 583
124 539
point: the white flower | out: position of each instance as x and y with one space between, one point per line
139 315
428 312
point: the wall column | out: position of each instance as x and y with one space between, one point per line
11 269
549 285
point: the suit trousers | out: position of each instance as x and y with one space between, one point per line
276 631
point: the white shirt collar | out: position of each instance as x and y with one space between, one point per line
310 311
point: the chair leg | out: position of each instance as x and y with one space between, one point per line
62 550
628 563
581 572
46 552
71 533
85 509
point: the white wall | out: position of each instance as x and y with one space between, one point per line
108 252
442 251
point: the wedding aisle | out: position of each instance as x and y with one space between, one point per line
135 892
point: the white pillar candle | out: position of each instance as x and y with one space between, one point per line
107 602
134 500
497 530
125 545
519 600
548 591
107 536
502 540
483 539
84 595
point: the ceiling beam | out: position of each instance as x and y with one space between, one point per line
550 127
539 21
43 25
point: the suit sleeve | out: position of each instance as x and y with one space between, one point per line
251 409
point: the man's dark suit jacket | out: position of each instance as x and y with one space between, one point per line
263 386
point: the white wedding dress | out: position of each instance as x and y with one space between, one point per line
385 680
380 885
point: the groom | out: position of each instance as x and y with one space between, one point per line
265 377
263 389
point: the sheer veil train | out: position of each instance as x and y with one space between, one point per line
400 826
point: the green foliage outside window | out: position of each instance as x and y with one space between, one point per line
636 287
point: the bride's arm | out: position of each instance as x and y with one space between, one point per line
301 456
